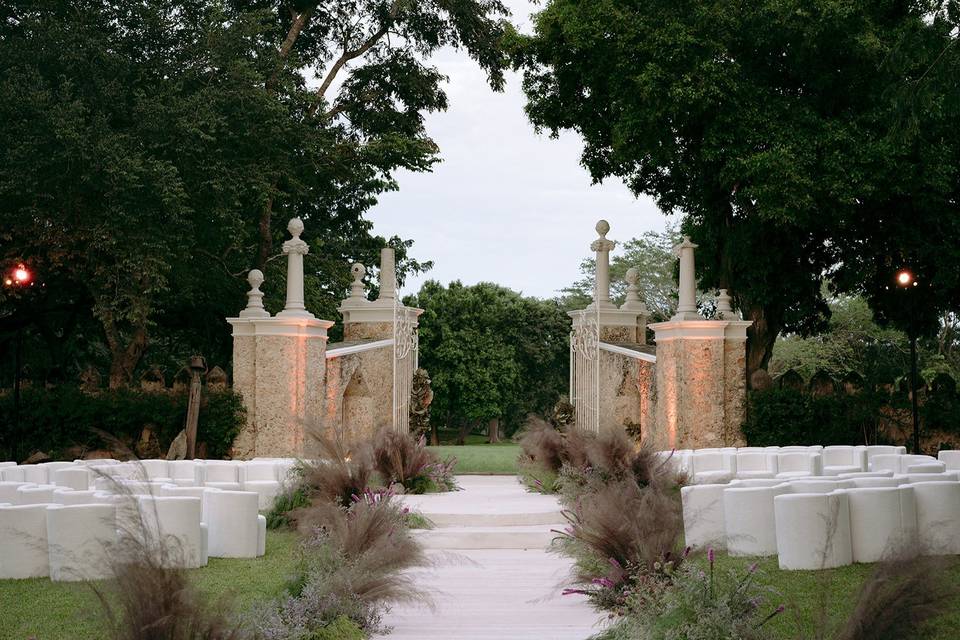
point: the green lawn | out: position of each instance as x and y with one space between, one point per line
806 594
482 459
45 610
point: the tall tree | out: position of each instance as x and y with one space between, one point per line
801 140
492 354
152 152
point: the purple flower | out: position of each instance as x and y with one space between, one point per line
753 568
616 565
710 555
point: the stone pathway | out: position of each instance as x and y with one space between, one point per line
493 579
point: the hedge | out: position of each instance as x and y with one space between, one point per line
790 417
60 419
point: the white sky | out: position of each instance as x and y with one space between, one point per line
505 205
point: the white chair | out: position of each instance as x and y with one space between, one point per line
175 529
913 478
817 485
881 450
193 492
813 530
221 474
35 494
756 464
703 515
261 478
749 520
155 470
925 467
79 539
235 528
712 467
183 473
8 491
886 473
883 522
69 496
938 517
873 482
13 474
23 542
951 458
839 459
35 473
6 464
77 478
757 482
798 464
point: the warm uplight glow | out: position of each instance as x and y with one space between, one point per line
21 275
904 278
8 282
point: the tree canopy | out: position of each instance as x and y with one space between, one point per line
153 152
803 142
492 354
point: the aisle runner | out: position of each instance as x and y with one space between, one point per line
493 579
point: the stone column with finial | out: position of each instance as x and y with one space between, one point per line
279 363
687 307
295 248
602 247
373 320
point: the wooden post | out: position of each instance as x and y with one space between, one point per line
197 366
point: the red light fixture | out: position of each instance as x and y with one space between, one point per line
905 278
21 275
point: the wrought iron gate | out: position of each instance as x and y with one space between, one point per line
405 354
585 369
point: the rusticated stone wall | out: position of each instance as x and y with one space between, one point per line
700 383
626 393
354 331
358 393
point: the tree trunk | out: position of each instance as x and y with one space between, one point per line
266 237
125 358
493 431
434 434
761 337
463 432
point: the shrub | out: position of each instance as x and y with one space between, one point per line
403 458
546 451
623 538
787 417
339 474
699 605
62 419
354 565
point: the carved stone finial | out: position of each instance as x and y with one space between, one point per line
295 227
633 301
602 247
356 287
388 275
687 307
724 306
255 297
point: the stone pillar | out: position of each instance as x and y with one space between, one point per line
701 383
279 365
388 274
687 308
701 371
602 248
295 249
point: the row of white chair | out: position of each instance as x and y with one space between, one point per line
265 477
724 465
64 533
819 522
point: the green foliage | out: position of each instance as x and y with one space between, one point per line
852 341
484 345
801 141
700 605
652 255
153 153
63 421
341 628
293 497
789 417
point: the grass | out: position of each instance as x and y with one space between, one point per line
45 610
807 593
482 459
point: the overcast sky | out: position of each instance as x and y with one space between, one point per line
505 205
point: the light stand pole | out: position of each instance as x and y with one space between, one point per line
906 281
17 365
913 392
